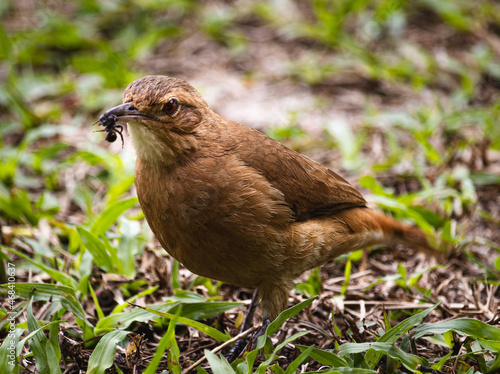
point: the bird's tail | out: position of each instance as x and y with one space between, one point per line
324 239
392 231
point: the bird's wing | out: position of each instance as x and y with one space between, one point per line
311 189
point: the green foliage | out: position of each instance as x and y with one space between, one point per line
190 311
403 280
485 333
312 286
169 343
220 364
347 359
9 364
104 353
46 351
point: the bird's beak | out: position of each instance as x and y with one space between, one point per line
124 113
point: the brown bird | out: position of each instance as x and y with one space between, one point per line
234 205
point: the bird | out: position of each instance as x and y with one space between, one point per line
232 204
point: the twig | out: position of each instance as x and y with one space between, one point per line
467 339
220 347
398 305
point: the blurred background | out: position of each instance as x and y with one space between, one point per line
400 97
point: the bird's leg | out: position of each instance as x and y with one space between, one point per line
240 346
251 309
261 331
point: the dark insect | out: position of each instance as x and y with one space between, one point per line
110 127
111 137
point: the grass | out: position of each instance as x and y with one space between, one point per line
86 287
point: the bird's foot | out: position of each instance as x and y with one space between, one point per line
240 347
261 331
246 345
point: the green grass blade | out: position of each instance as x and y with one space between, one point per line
247 365
124 319
121 307
342 370
174 353
167 342
294 365
468 326
263 367
100 314
54 333
56 275
347 277
495 366
287 314
51 292
97 249
396 332
210 331
21 344
9 352
41 291
56 293
277 323
45 358
205 309
105 256
109 216
219 365
104 353
408 360
130 245
324 357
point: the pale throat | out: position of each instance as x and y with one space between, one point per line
164 151
145 143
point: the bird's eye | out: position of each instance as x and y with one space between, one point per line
171 106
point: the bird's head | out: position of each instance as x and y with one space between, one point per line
161 113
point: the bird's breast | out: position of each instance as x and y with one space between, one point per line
218 217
